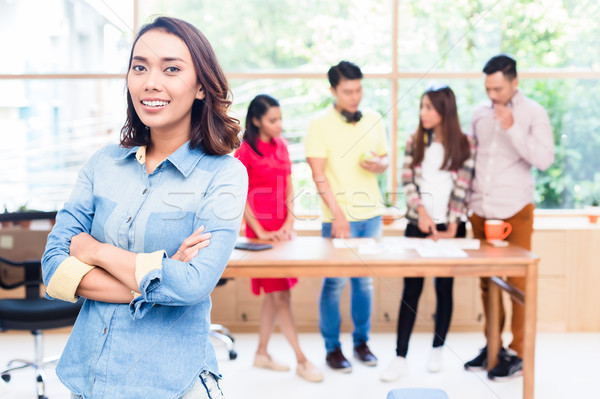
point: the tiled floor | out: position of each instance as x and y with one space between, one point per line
566 367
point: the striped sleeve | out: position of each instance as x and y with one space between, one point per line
67 278
145 263
457 207
411 191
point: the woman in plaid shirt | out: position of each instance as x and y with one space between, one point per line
436 175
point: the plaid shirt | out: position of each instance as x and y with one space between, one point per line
411 180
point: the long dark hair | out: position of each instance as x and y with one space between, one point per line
257 108
211 128
456 145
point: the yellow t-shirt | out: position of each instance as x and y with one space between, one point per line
342 144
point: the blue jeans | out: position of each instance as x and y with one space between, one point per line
362 293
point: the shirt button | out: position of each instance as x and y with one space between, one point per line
105 330
129 219
145 191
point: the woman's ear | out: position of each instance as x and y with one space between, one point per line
256 122
200 94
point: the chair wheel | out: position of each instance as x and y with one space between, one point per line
232 355
6 377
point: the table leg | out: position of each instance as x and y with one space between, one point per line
531 279
493 333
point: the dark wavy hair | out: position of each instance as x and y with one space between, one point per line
456 145
212 128
257 108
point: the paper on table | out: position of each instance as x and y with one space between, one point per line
352 242
379 248
463 243
440 250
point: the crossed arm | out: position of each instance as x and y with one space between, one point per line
113 280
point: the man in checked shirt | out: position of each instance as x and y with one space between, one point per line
513 135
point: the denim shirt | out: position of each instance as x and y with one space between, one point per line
157 345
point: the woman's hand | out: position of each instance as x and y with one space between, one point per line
192 245
269 235
450 232
286 232
85 247
426 224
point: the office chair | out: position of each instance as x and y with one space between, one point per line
221 333
417 393
32 313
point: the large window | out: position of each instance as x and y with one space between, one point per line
64 84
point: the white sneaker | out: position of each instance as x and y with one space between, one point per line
436 360
396 369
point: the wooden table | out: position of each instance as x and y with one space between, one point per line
316 256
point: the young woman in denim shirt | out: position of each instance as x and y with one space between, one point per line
128 238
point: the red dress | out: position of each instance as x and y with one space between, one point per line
267 185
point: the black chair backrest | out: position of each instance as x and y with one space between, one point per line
27 273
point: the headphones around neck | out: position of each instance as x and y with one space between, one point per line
351 117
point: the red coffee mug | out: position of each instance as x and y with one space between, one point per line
497 229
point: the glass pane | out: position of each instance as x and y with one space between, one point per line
573 180
59 36
304 35
301 100
463 34
48 130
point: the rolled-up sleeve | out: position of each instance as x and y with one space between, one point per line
167 281
145 263
66 279
61 272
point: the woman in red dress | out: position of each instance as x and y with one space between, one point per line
268 215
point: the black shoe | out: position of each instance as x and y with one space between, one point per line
336 361
480 361
363 353
509 366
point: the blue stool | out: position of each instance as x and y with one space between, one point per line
417 393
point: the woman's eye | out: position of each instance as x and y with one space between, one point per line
138 68
172 69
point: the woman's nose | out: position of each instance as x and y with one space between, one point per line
152 81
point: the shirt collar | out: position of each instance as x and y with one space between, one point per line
516 98
184 158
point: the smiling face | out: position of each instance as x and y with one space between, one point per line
348 94
162 83
270 124
430 118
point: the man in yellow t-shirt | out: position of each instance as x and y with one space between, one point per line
346 149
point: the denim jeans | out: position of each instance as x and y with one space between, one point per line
206 387
361 298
